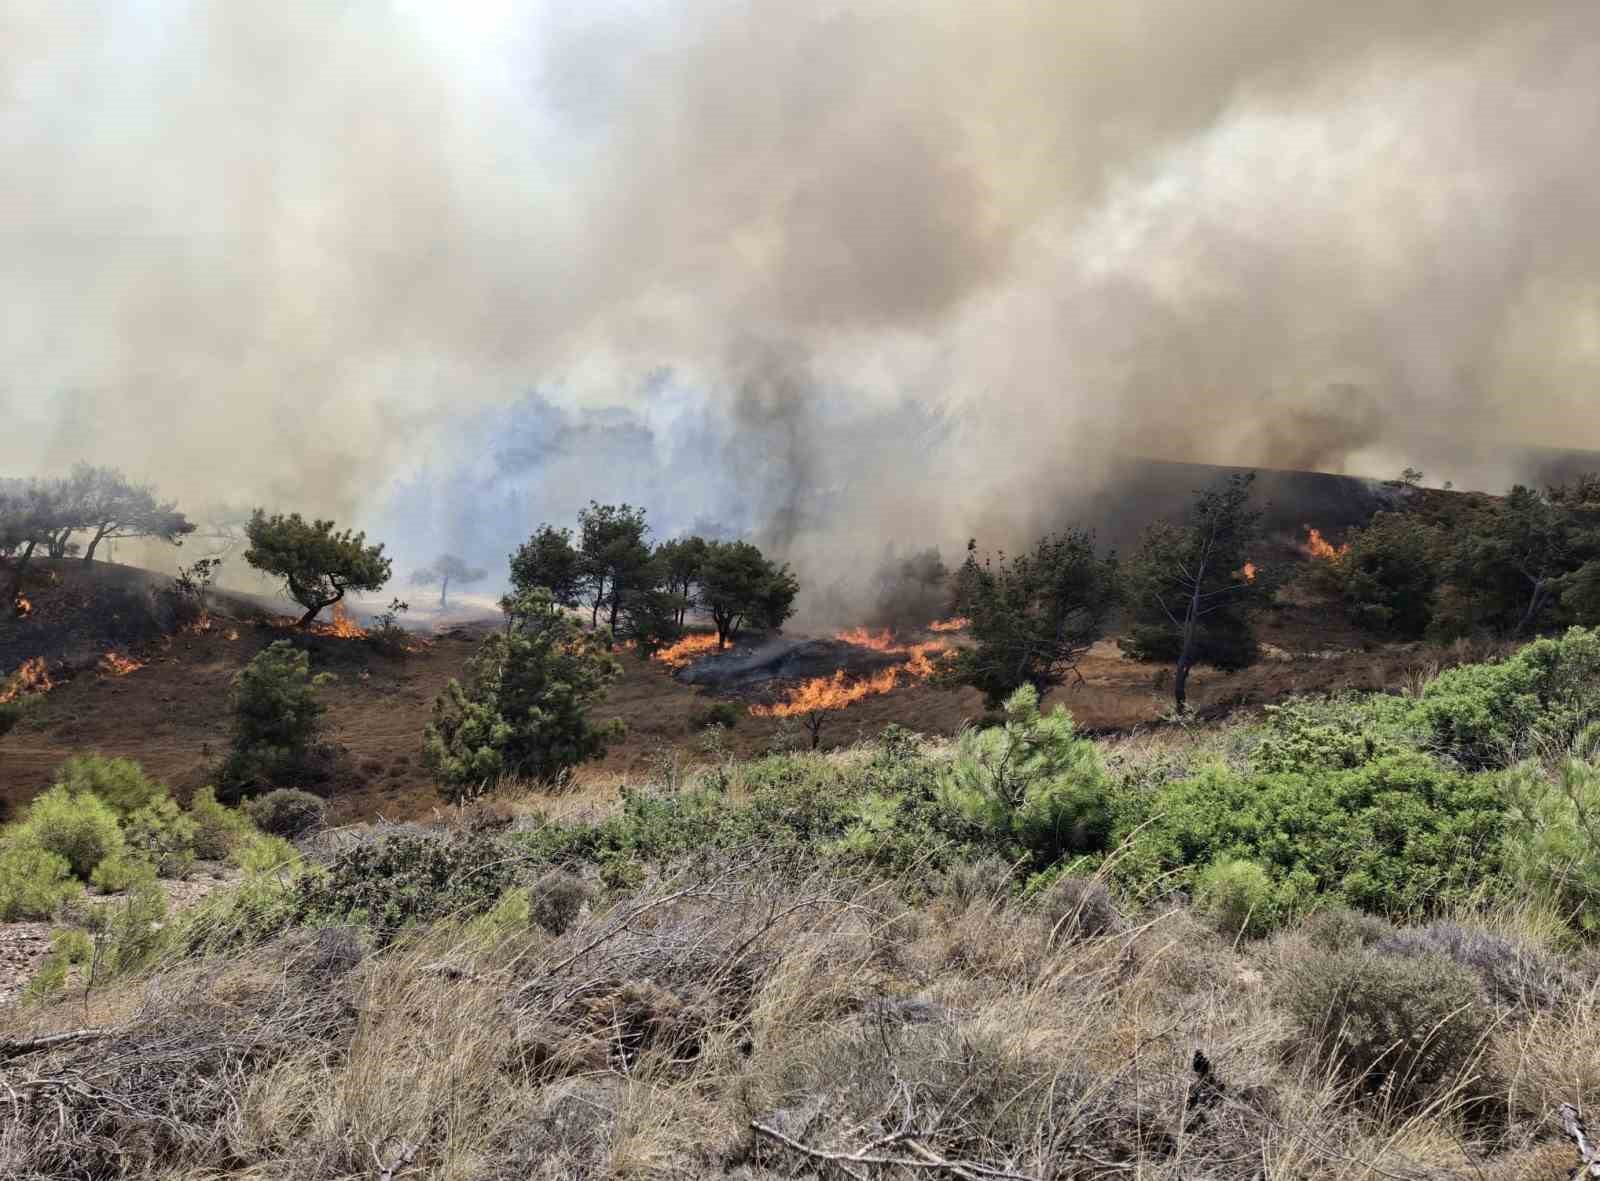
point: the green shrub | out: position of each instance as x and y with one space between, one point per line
161 834
34 883
1397 836
1338 734
1389 574
286 812
260 853
81 828
1552 846
121 783
1238 896
218 829
132 932
1031 782
276 718
10 714
1488 715
399 880
117 872
1339 928
1401 1029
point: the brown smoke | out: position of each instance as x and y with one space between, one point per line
266 250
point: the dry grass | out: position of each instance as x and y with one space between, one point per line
652 1036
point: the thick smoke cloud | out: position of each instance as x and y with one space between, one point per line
831 273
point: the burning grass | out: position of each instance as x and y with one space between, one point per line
22 606
1318 547
839 689
33 678
686 651
115 664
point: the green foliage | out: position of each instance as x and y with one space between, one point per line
80 828
1330 735
679 562
68 949
1191 592
118 872
260 854
524 708
276 718
738 584
162 835
719 713
132 932
1389 575
614 558
317 564
397 881
1552 845
34 882
1488 715
1401 1029
286 812
1395 836
548 561
121 783
218 829
1033 616
1239 897
1031 784
10 714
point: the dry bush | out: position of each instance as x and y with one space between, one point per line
1079 908
1512 975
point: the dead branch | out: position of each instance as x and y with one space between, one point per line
922 1157
1588 1152
406 1158
18 1047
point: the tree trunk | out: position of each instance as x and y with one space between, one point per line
1180 684
444 589
88 551
1535 603
23 559
305 620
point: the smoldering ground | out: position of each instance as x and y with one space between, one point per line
906 264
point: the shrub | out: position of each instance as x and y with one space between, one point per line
118 872
1552 844
1031 782
1389 574
119 782
260 853
1399 835
1511 974
557 899
1079 908
1488 715
395 881
524 707
1399 1028
276 717
286 812
1238 896
986 879
161 834
10 715
1339 928
720 713
1339 734
34 883
82 829
133 931
218 829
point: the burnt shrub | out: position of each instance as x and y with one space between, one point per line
397 881
286 812
1399 1029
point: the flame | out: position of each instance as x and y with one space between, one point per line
23 607
686 651
231 634
32 677
1317 546
341 626
827 693
1249 571
113 664
958 623
881 641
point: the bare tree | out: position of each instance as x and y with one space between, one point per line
444 570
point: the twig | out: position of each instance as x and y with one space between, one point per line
1588 1153
923 1157
16 1048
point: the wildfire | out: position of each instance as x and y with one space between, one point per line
956 624
1249 571
1317 546
114 664
686 651
32 677
880 641
22 607
828 693
341 626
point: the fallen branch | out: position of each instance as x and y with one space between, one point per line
1588 1152
921 1158
18 1047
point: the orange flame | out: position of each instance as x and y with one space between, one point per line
23 607
686 651
341 626
959 623
1249 571
827 693
32 677
114 664
231 634
1317 546
880 641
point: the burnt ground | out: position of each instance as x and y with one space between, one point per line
171 714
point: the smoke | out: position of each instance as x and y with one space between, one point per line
826 274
